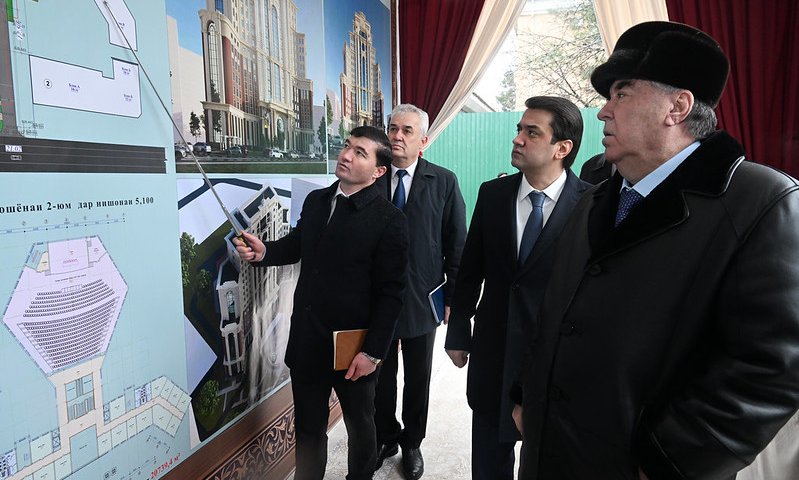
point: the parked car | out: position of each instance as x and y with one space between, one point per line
233 151
201 148
275 153
181 151
294 155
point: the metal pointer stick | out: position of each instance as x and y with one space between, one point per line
177 128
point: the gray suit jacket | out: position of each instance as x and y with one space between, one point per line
436 217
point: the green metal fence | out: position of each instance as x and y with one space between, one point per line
477 147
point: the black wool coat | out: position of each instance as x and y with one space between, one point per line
353 275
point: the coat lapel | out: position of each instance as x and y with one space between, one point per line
421 177
705 172
319 221
383 184
507 216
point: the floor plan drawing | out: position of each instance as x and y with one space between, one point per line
58 84
92 340
63 312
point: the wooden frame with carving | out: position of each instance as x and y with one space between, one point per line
259 445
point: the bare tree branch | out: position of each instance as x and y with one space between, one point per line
563 63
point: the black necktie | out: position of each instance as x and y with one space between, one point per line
339 208
627 200
533 227
399 193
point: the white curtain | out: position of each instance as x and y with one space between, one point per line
496 21
780 459
616 16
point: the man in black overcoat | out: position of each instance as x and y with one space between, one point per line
668 341
354 249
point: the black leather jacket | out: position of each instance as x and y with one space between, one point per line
670 343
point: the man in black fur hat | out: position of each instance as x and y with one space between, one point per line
668 345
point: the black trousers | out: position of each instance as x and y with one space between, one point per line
491 458
417 363
310 425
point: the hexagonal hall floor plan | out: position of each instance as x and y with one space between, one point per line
66 302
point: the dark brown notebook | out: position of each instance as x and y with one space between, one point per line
346 344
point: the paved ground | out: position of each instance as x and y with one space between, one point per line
446 449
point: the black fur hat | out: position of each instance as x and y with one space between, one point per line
670 53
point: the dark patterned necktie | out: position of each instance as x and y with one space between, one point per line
627 200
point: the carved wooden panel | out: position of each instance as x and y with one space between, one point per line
260 446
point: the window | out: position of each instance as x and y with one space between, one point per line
265 20
213 61
277 44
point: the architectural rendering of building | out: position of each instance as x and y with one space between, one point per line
187 83
253 328
303 105
361 97
255 75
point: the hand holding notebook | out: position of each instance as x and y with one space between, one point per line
346 344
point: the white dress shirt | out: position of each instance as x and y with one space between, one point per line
524 206
407 180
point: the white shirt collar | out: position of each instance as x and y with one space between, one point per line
339 192
552 192
411 169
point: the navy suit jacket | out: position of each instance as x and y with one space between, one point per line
511 294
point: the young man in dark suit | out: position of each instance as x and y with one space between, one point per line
354 249
509 262
432 202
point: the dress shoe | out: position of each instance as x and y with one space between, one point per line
412 463
384 451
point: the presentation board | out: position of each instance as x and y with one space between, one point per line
131 332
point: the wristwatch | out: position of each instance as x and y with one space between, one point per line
372 359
